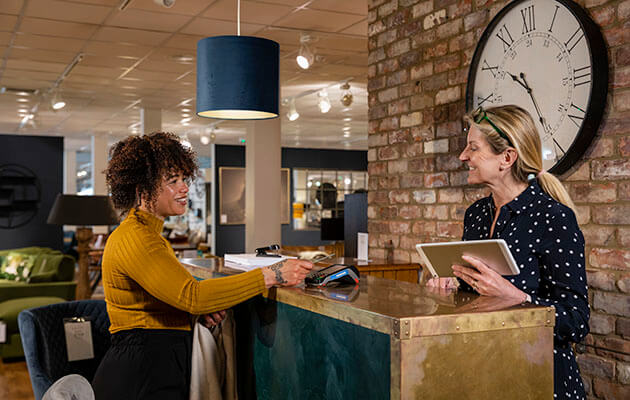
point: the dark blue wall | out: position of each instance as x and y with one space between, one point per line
231 238
43 155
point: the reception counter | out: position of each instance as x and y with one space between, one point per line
386 339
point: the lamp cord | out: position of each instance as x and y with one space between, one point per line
238 17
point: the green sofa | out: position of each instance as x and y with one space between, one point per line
50 280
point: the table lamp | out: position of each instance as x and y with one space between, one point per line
83 211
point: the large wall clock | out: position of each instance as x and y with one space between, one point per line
549 57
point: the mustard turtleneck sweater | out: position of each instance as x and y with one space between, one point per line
146 286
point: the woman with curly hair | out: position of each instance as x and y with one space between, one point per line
149 295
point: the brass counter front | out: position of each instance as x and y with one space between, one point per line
442 344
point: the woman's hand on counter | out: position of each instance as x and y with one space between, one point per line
442 283
486 281
290 272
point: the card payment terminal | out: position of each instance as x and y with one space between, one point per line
336 273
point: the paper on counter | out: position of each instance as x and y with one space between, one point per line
248 262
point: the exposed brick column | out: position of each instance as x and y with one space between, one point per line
419 54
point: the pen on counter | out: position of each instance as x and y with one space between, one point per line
315 260
267 255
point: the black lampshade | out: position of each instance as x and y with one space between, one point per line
71 209
238 77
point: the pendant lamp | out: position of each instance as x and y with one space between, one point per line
238 77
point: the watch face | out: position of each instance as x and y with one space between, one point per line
538 54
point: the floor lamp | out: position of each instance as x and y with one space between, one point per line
83 211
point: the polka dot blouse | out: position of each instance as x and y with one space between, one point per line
547 244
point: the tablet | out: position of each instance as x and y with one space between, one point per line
439 257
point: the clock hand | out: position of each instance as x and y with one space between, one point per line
515 79
531 95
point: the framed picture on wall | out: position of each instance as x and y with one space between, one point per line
232 196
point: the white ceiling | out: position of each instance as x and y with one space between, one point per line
131 61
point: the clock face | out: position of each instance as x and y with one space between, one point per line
542 56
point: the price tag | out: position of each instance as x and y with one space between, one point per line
3 332
78 338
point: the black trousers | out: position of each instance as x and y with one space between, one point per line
145 364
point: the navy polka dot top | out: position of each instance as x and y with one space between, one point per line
547 244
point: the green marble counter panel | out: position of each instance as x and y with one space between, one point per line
315 357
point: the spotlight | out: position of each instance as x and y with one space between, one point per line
184 141
347 97
164 3
324 102
204 139
292 114
305 56
57 102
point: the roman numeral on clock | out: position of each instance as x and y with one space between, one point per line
482 99
529 20
579 117
505 37
559 147
581 76
488 67
574 39
553 19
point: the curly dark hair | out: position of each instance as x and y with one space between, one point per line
138 164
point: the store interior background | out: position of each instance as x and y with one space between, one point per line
408 82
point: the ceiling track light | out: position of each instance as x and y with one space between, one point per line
209 136
77 59
306 56
165 3
324 102
57 102
346 98
30 118
342 82
292 115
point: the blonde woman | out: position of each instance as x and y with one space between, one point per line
530 209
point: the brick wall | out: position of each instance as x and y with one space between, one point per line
419 53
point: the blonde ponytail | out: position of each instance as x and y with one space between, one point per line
554 188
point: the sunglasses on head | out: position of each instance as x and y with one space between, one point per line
480 114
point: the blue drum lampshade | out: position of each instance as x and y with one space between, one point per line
238 77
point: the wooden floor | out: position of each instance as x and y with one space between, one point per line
15 383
